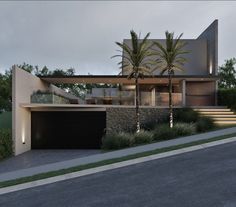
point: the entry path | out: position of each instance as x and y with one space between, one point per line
203 178
110 155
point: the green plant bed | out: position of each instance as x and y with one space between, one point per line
5 143
164 132
117 141
143 137
204 124
227 97
48 98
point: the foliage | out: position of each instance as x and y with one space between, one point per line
143 137
164 132
187 115
227 74
117 141
5 92
136 63
6 120
5 143
227 97
204 124
184 129
170 59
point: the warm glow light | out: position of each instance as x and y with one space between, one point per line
129 87
210 68
23 135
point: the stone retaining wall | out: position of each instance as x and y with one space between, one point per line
123 119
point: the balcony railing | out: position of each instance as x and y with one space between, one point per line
113 96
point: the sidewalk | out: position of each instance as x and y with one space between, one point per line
110 155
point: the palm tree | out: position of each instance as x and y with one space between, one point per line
169 60
135 64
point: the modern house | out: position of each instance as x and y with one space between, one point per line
46 117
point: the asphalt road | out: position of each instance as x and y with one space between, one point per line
205 178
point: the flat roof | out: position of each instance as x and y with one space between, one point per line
115 79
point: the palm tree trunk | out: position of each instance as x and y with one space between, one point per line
170 99
137 105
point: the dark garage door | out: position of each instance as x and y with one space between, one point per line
67 129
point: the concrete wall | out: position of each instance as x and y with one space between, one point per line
203 52
121 118
196 58
211 35
23 85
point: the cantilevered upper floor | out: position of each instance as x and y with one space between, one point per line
202 56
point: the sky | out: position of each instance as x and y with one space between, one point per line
82 34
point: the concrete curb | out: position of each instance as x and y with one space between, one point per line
112 166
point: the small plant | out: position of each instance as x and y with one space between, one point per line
5 143
186 115
143 137
149 125
184 129
204 124
164 132
117 141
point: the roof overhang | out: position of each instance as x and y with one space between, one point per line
114 79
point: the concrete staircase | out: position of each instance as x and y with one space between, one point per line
220 115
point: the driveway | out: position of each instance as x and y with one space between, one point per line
201 178
41 157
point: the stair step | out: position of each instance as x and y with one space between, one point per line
225 122
216 112
220 115
210 110
209 107
224 119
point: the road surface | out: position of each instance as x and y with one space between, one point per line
204 178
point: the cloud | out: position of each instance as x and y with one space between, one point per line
82 34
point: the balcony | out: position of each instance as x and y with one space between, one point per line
113 96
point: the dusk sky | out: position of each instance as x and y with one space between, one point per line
82 34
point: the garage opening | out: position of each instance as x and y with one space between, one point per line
67 129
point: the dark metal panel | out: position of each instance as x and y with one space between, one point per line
67 129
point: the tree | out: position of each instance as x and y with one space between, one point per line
136 64
5 92
227 74
169 60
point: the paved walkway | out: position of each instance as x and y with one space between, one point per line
109 155
35 158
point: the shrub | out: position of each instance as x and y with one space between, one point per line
163 132
117 141
227 97
5 143
184 129
149 125
186 115
204 124
143 137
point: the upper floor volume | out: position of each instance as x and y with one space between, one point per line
202 59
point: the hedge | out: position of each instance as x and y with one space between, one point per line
227 97
5 143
